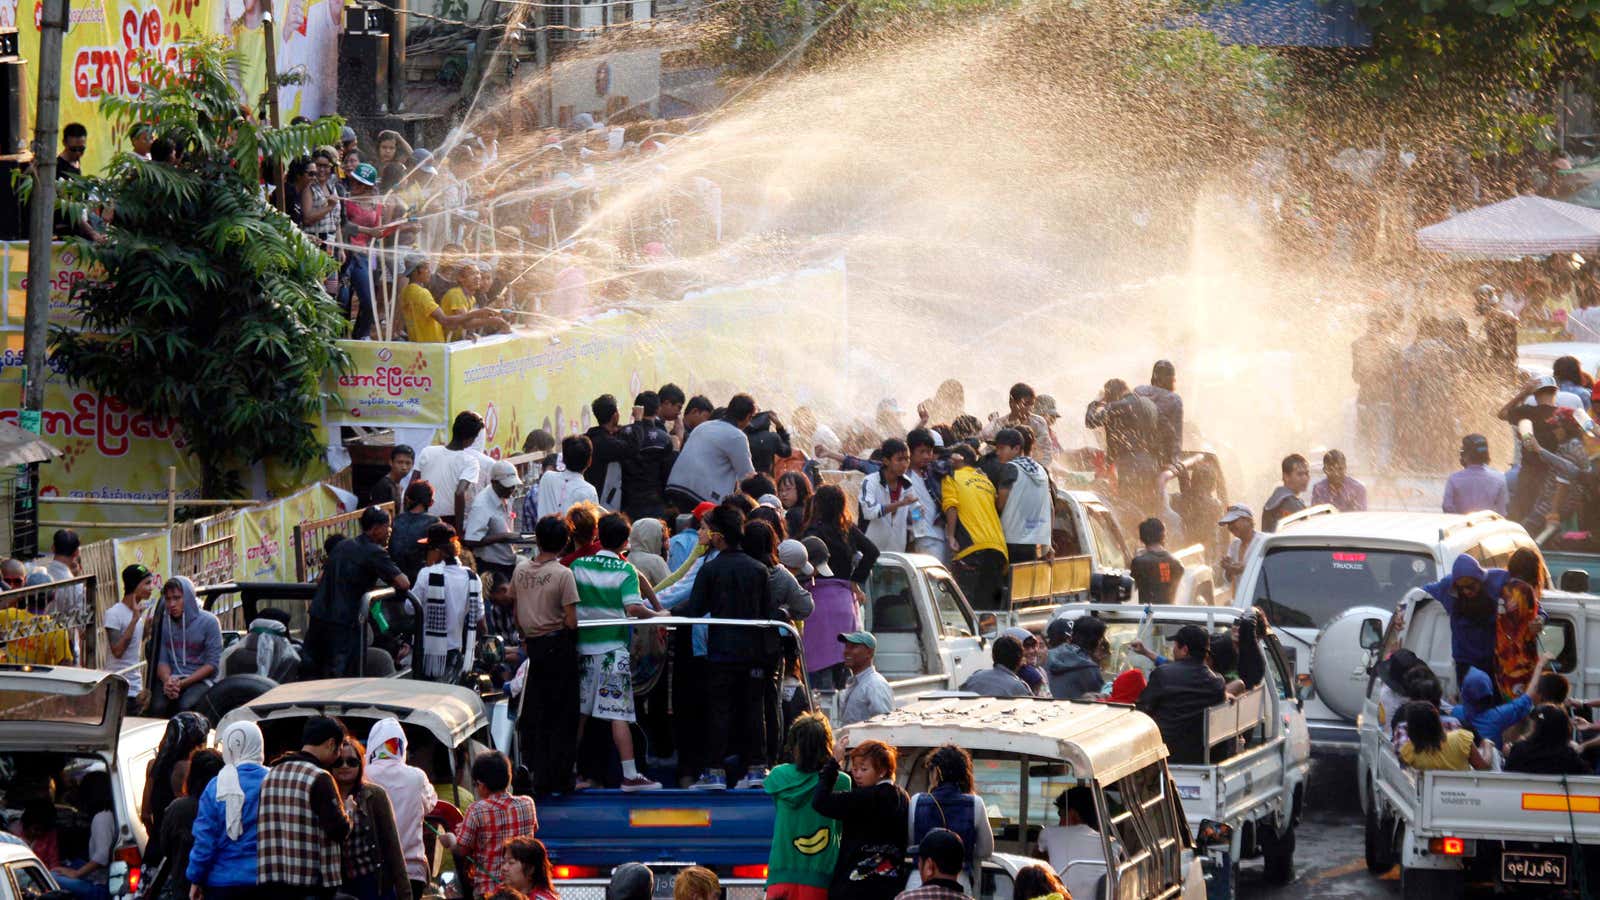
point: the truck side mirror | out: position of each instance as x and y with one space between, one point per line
1575 581
988 626
1371 634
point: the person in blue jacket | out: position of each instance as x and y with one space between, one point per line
1481 711
1471 604
223 861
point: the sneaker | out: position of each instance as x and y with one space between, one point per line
640 783
754 778
710 782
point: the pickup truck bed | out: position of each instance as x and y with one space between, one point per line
1496 806
1233 789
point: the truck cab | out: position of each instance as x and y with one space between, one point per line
1245 796
928 637
1442 828
1086 526
1026 752
1324 573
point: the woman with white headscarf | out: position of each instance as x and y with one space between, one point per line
410 793
223 861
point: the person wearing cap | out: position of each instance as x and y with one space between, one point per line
124 626
631 881
1000 679
488 529
1162 391
793 565
426 322
835 612
1073 661
334 638
867 692
1534 405
940 858
1337 488
1241 525
1179 693
1475 486
973 534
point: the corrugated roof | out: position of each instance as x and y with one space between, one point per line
1098 740
450 711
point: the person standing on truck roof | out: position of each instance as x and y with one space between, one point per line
410 794
645 472
1132 424
1285 499
1021 415
887 499
972 530
873 816
867 693
410 527
1155 572
1337 488
1000 679
1475 486
608 590
1178 694
612 444
453 468
494 818
1539 416
452 608
1074 658
301 824
1241 525
1163 392
805 843
742 661
926 472
1023 498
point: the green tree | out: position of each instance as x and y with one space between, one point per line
211 307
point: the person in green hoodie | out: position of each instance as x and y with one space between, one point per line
805 843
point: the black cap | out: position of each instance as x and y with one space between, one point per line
133 576
1475 443
1059 631
944 847
965 451
632 881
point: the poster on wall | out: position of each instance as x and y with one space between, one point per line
106 39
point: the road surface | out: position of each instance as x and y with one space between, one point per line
1328 862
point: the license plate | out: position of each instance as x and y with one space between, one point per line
1533 868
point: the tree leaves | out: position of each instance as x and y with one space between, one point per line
211 309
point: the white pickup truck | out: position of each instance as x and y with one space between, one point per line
1244 799
1085 526
1444 828
928 637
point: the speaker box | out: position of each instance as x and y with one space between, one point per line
364 75
13 140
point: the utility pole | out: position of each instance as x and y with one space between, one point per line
269 33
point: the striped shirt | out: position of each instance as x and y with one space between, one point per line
607 585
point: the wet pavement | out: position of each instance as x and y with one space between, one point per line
1328 860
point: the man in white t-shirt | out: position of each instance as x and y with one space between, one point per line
124 625
560 488
1075 841
453 469
488 532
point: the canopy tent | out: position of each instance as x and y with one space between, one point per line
19 447
1521 226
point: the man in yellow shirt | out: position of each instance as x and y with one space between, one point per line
972 530
426 321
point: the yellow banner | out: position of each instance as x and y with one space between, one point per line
106 38
153 551
67 268
263 549
391 384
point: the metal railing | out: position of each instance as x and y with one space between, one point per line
51 624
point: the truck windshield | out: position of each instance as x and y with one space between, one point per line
1304 587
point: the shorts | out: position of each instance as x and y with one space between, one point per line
605 686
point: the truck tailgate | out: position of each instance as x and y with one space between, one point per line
1233 787
607 828
1511 807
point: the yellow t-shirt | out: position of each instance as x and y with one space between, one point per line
50 648
1454 755
417 305
455 302
971 494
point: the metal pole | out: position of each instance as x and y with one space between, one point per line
269 34
41 213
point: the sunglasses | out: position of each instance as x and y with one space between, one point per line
76 150
15 582
347 762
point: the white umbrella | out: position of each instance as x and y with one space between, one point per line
1521 226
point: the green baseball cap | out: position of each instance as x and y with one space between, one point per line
863 638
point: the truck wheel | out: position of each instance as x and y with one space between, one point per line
1429 884
1277 857
1379 846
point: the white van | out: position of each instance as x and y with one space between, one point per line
1324 572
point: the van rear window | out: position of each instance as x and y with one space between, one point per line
1304 587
